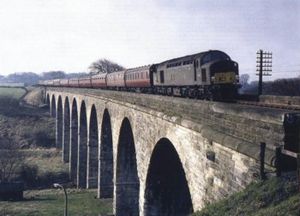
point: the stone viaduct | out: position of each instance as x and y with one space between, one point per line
157 155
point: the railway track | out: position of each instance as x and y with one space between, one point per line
269 105
240 101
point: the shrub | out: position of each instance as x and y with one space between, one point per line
29 174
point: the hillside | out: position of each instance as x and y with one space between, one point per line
23 126
39 163
30 134
274 197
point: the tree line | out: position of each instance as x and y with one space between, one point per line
30 78
284 86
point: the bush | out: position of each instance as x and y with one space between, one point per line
43 139
29 174
34 179
47 179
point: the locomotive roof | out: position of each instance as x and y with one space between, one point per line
190 57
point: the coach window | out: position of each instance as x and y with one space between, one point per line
162 77
203 74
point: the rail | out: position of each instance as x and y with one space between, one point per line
269 105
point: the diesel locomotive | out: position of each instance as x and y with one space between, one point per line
208 75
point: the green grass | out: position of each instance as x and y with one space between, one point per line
16 93
51 203
274 197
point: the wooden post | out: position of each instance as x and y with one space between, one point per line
262 160
298 170
278 161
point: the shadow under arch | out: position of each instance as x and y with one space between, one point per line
59 123
106 164
167 192
92 151
48 100
127 181
53 107
66 131
73 142
82 148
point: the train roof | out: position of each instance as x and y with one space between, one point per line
144 67
99 75
192 57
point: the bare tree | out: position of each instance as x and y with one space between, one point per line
244 78
104 66
10 160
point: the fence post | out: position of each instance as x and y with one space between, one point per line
298 170
278 161
262 160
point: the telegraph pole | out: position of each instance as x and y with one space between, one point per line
263 67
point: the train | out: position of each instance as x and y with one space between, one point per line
210 75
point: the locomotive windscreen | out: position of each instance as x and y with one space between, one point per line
214 56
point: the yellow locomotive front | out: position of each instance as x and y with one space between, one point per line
224 79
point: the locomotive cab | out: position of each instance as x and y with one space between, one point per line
219 74
224 79
202 65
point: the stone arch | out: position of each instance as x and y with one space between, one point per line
92 151
66 130
167 191
82 148
127 181
53 107
73 141
106 164
59 123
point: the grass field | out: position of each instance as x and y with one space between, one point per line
16 93
51 202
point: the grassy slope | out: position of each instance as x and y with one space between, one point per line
43 158
51 202
27 128
274 197
22 126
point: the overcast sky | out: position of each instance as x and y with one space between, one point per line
44 35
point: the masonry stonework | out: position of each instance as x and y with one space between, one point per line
218 149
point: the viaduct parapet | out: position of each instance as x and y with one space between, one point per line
157 155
